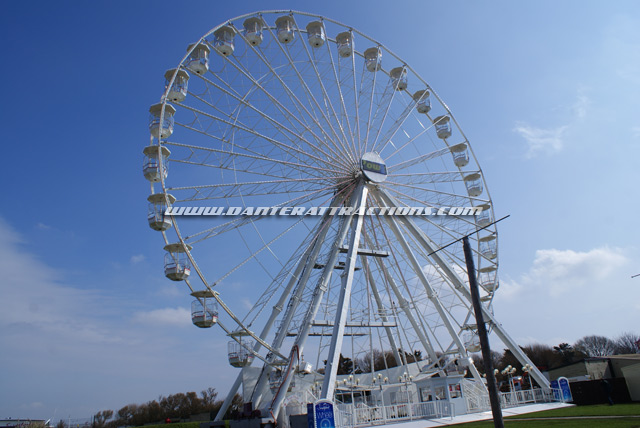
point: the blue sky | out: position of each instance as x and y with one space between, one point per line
547 93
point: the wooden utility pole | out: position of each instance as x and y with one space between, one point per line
484 338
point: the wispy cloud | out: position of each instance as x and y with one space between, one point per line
552 140
620 46
138 258
581 106
55 333
565 293
563 271
539 140
180 317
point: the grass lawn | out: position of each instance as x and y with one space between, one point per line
588 416
176 425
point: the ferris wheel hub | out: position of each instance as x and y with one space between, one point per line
373 167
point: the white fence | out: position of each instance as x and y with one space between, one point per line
365 415
348 415
480 403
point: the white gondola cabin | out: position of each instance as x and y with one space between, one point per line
373 59
488 278
157 129
485 217
488 246
198 60
253 30
204 310
223 40
460 153
443 126
178 91
239 354
423 103
472 342
398 78
474 184
158 204
316 34
285 29
154 166
177 266
344 41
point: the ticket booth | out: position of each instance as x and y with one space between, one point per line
443 389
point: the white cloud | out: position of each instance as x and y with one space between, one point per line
53 333
581 106
170 291
168 316
566 270
557 272
34 405
635 131
510 289
539 140
568 294
620 46
138 258
551 140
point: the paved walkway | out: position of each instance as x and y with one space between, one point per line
474 417
556 418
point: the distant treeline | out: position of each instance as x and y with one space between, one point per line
182 406
169 409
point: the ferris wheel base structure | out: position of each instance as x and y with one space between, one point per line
282 109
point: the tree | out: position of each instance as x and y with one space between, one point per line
567 353
595 346
627 343
101 417
209 396
412 358
125 414
345 365
542 356
478 361
234 410
170 406
154 412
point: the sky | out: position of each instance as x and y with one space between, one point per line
547 93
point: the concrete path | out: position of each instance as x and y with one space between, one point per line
474 417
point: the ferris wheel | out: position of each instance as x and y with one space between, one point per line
298 115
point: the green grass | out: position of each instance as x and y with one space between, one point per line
621 422
176 425
616 418
597 410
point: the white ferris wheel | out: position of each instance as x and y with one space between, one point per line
290 109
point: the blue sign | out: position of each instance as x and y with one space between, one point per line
561 389
565 390
324 416
555 388
310 423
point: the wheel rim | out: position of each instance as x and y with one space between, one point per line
287 121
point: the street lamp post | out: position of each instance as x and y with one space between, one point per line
380 381
407 379
527 369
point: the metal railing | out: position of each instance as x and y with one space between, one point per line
480 403
349 415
